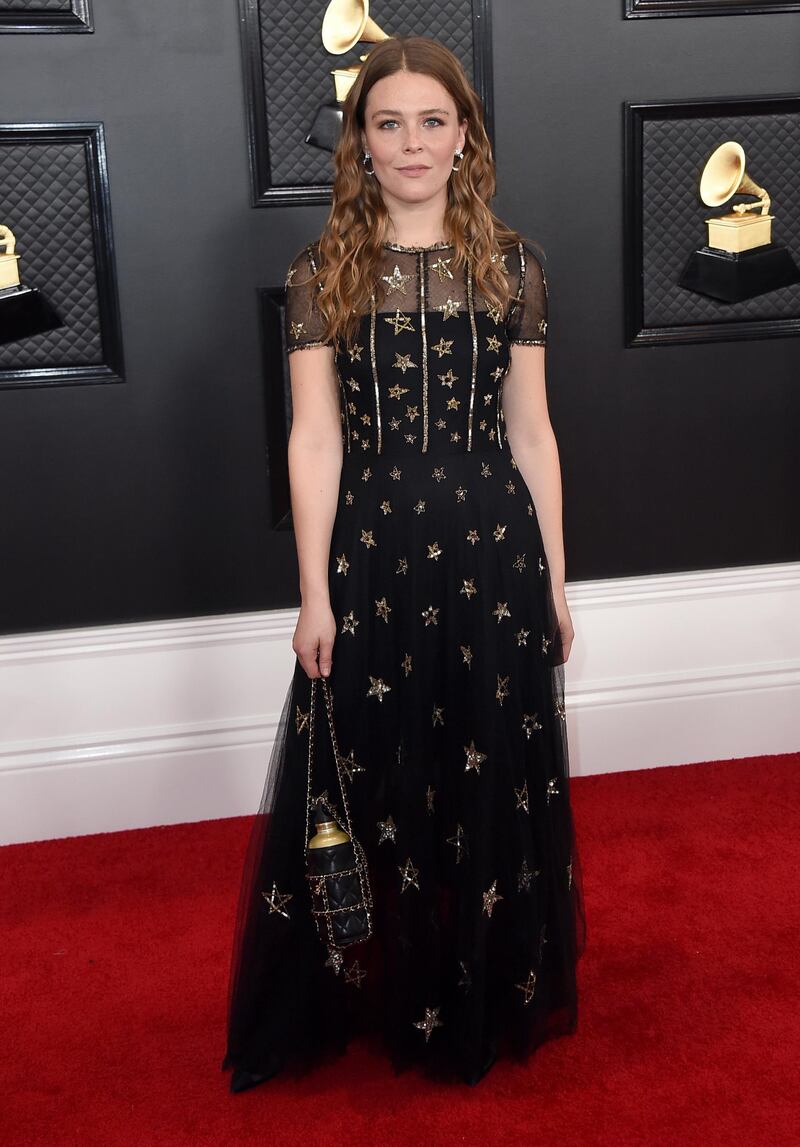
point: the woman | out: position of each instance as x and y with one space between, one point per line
427 510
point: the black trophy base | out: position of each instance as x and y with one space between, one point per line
732 277
327 127
24 311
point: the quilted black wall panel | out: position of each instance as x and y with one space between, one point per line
54 197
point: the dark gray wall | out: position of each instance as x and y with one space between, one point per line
149 499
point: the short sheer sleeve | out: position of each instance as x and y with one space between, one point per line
304 324
527 324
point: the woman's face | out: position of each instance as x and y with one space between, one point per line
411 128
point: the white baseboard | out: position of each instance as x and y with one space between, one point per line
128 726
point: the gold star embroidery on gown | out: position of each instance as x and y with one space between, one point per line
429 1022
343 565
406 664
437 716
500 532
366 474
519 562
561 712
443 347
431 615
457 840
367 538
355 974
501 611
449 308
448 379
490 898
420 506
473 536
335 959
545 644
468 588
387 829
495 314
386 506
502 688
402 566
277 900
383 609
349 498
529 987
297 329
475 758
403 362
396 281
350 766
552 788
530 723
349 623
412 412
493 343
466 653
434 551
525 876
522 796
429 795
409 874
301 719
355 352
397 391
395 473
442 269
400 323
377 687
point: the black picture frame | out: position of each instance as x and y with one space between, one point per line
702 320
96 200
20 17
265 193
645 9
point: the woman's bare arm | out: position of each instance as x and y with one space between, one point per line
533 444
315 463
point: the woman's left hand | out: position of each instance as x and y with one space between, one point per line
565 629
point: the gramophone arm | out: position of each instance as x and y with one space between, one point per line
748 187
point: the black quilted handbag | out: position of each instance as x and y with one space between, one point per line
336 867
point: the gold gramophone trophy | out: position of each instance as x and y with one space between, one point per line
345 24
740 260
24 311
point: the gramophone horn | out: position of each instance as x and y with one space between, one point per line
347 22
724 176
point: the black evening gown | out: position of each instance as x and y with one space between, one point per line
448 703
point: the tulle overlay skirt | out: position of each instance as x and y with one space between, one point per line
448 704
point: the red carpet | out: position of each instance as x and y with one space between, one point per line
115 965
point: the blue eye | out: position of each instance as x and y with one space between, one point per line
430 119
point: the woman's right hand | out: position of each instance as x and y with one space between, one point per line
314 636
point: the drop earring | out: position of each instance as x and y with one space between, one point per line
367 155
459 155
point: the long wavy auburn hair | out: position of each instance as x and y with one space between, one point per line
350 247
